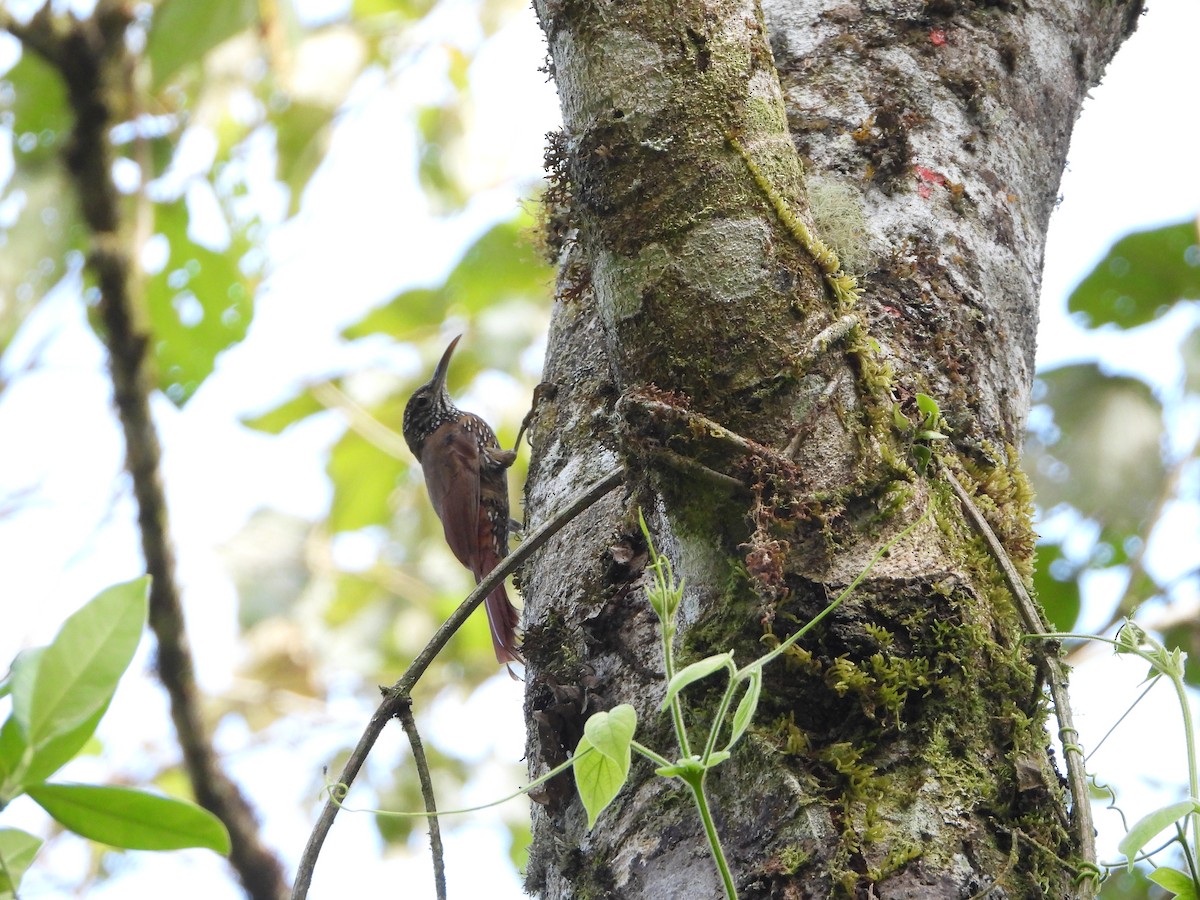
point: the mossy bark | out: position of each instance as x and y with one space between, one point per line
900 750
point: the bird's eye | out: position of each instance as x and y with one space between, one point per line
422 400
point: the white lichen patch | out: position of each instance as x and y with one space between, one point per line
629 67
620 282
725 259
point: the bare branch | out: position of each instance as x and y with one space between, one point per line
397 697
90 55
409 724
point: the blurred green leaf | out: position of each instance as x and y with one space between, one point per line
411 311
134 820
1148 827
1059 597
440 130
404 9
1177 883
183 31
34 93
363 479
1104 457
352 594
1122 885
500 265
39 230
17 850
200 304
301 139
520 839
1142 275
1189 352
298 408
1186 637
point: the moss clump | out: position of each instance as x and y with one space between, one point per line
837 212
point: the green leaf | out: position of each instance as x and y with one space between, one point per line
611 733
1141 277
301 140
501 265
408 313
929 407
922 455
60 749
1178 883
1059 597
36 96
79 671
600 773
597 778
1189 352
402 9
12 759
183 31
38 240
200 304
1147 827
363 479
298 408
697 670
17 850
135 820
1103 455
23 675
746 707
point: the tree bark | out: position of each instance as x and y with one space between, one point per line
767 422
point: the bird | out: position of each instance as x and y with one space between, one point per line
465 471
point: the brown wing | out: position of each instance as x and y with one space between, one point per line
450 462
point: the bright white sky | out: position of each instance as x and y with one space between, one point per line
1132 165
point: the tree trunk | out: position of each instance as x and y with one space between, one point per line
766 415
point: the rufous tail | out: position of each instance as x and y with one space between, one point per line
503 619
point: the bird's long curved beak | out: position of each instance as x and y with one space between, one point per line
439 374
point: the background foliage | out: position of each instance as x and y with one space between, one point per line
320 194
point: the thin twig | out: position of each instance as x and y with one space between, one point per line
90 55
409 724
1031 618
398 695
361 422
